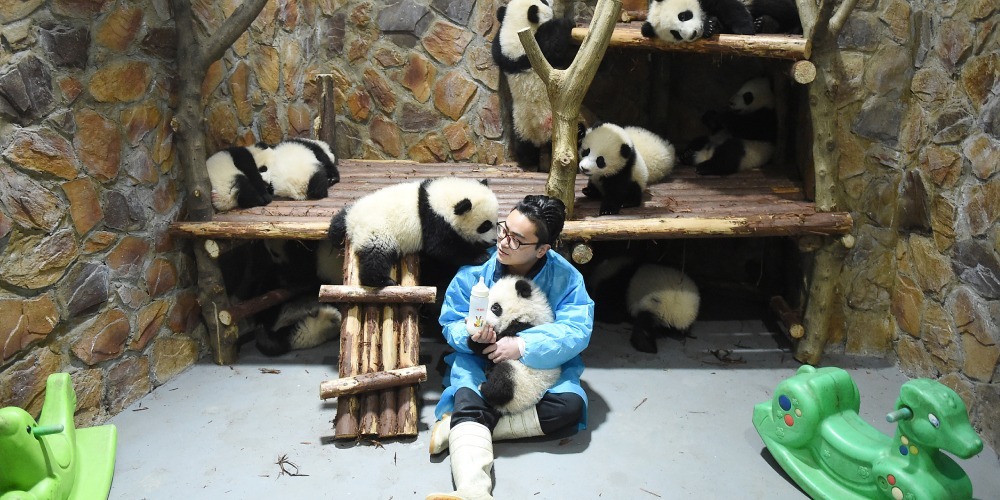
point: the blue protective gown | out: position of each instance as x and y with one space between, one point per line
545 346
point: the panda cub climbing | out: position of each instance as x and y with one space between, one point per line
236 179
743 137
515 304
657 299
530 106
621 162
692 20
447 220
298 168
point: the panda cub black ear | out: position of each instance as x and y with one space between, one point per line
463 206
533 14
485 182
523 288
501 12
626 151
581 131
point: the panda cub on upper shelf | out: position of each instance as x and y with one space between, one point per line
298 168
621 162
692 20
514 305
532 113
742 138
236 179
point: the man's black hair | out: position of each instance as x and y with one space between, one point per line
547 213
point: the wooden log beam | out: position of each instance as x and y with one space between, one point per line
383 295
374 381
249 307
629 36
682 227
371 360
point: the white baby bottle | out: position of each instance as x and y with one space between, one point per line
478 302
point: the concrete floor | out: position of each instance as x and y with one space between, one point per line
672 425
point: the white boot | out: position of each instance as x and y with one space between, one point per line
518 425
439 434
471 463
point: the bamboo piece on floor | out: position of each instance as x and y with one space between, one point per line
788 318
409 350
370 361
387 422
346 421
387 379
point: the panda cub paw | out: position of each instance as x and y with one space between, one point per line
647 30
711 27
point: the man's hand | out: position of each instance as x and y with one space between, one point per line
505 349
485 336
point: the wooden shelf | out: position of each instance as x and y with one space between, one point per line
748 204
629 36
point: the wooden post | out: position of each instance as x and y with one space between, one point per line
821 26
409 350
346 421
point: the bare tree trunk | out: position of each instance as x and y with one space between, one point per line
194 56
566 89
821 27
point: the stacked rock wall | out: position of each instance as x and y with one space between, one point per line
919 126
90 281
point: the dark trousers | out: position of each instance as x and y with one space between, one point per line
556 412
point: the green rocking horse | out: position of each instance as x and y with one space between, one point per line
812 428
51 458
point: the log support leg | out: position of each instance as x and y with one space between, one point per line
828 261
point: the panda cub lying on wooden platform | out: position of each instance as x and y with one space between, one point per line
515 304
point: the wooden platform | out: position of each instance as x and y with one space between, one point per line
755 203
629 36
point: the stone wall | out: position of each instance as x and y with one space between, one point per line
90 281
919 126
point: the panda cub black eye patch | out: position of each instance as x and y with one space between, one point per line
600 162
484 227
685 16
585 152
496 309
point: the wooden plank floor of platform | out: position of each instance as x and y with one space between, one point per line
753 203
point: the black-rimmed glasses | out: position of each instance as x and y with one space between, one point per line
512 242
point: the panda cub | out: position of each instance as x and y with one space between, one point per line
743 137
302 323
692 20
450 220
621 162
530 106
298 168
658 299
515 304
236 180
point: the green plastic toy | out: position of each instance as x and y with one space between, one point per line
51 458
812 428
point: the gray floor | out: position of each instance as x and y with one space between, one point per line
672 425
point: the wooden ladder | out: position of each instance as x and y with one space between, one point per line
379 351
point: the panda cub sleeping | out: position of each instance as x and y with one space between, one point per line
298 168
515 304
236 179
657 298
743 137
692 20
301 323
621 162
530 106
448 220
